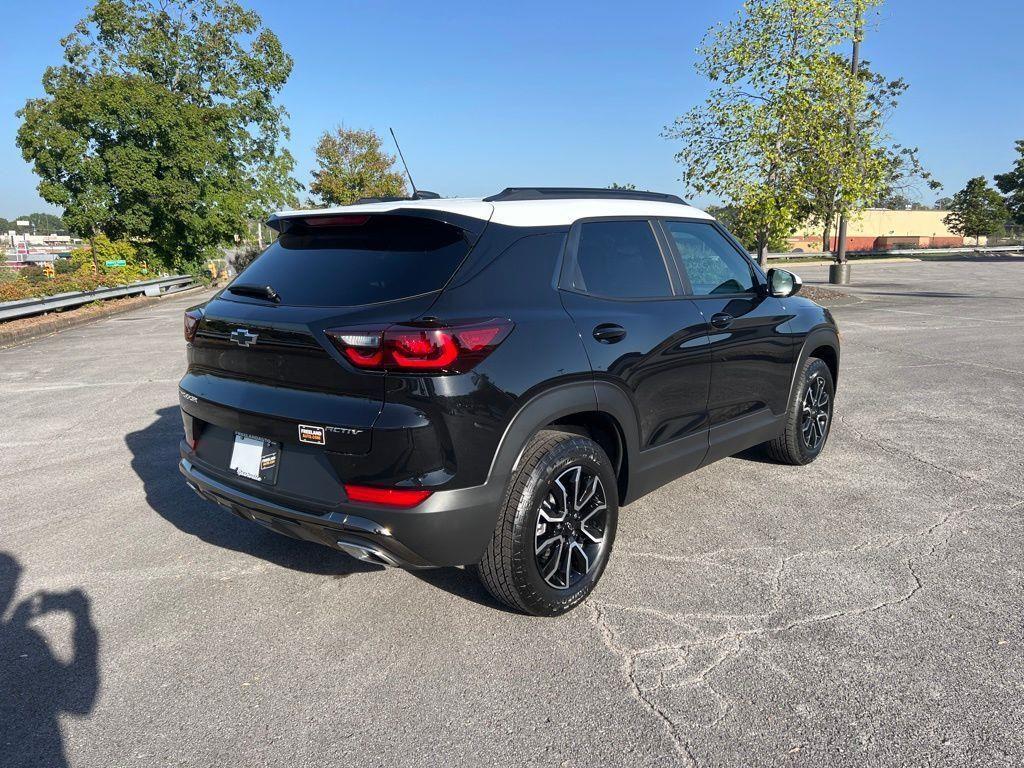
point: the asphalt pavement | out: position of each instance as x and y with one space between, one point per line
864 610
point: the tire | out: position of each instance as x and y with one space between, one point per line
556 473
793 445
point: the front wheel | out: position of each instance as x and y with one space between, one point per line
809 419
556 528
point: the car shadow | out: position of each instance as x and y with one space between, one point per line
154 452
757 454
37 686
461 583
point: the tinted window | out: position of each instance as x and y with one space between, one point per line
384 258
711 263
620 259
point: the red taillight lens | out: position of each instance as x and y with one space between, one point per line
452 348
192 318
402 498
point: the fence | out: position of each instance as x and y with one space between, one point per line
11 310
900 252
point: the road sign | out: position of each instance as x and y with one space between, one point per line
115 263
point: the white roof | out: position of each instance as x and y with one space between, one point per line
520 213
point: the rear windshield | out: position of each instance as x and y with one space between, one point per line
380 259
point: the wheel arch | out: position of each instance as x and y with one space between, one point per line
597 409
823 343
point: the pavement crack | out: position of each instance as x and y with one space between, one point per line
637 692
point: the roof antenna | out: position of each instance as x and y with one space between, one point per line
415 192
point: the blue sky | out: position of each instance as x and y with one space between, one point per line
562 93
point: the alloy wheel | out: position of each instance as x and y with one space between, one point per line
571 527
817 411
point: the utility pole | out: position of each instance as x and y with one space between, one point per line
839 273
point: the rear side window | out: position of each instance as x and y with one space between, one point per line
382 258
711 263
620 259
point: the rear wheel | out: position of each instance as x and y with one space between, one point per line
556 528
809 418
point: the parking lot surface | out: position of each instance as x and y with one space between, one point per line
864 610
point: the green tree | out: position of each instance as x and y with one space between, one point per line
856 164
730 217
1011 184
44 223
772 129
352 164
160 125
616 185
943 203
976 210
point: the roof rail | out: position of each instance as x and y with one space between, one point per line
580 193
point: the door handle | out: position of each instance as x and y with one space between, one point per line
609 333
721 320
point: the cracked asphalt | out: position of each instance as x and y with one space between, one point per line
864 610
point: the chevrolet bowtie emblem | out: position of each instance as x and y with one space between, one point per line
243 338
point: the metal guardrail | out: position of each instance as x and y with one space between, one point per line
899 252
11 310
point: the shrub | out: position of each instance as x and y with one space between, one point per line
33 274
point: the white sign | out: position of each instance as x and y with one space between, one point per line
22 223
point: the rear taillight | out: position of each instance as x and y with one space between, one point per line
401 498
192 318
450 348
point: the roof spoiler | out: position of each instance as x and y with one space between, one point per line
276 222
580 193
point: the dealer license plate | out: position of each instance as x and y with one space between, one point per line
255 458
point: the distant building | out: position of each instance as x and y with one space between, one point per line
878 229
23 248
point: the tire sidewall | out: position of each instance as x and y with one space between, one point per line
539 596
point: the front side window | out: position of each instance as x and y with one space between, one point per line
620 260
712 264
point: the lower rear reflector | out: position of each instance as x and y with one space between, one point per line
401 498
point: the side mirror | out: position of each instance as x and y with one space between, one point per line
782 283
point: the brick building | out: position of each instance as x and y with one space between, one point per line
878 229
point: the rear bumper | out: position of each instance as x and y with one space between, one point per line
449 528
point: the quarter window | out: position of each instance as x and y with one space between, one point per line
620 259
712 264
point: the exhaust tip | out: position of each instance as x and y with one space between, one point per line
367 554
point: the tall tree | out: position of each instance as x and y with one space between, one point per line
858 164
1011 184
43 223
161 125
976 210
352 164
767 133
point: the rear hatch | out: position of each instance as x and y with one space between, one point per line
260 362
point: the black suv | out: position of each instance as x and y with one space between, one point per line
439 382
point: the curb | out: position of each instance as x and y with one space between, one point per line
59 321
865 260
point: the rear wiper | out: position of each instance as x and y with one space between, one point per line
259 291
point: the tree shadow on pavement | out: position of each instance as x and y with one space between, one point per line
155 460
35 685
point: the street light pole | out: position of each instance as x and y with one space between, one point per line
839 273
